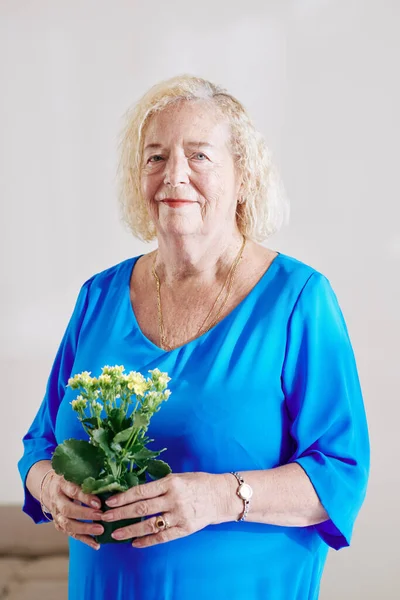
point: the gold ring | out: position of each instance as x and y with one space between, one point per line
161 523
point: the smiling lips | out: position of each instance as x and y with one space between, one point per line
176 202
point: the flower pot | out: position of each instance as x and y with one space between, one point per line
105 537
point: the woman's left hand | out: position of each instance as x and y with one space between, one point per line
188 501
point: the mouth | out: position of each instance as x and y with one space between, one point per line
176 202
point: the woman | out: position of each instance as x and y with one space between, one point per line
266 429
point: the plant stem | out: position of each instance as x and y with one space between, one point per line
128 444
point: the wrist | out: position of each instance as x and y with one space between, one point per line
45 487
229 505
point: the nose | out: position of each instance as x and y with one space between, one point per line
176 170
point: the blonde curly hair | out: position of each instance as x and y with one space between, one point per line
262 207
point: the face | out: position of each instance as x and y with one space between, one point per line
187 157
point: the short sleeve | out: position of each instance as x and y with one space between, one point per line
40 442
326 409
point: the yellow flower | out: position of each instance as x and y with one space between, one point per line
97 408
79 403
160 379
80 380
73 383
137 383
154 399
105 380
113 371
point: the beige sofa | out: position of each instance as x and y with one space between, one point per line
33 558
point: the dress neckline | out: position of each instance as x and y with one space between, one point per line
265 277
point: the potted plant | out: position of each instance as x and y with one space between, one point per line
115 411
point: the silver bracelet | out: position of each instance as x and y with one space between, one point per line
42 506
244 492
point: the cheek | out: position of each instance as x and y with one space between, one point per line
213 187
148 190
147 187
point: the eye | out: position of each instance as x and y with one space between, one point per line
154 156
200 154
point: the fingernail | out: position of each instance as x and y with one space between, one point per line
111 501
98 529
96 546
95 503
107 516
98 515
117 535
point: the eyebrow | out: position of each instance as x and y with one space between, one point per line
192 144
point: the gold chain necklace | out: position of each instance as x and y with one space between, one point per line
202 329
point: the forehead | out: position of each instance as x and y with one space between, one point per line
188 121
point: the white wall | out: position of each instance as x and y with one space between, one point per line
320 79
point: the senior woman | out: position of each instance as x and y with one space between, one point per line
265 431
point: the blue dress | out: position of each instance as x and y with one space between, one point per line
274 382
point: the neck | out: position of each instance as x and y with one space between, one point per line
196 258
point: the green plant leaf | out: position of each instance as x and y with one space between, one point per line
141 470
123 436
105 484
135 448
158 469
77 460
142 477
140 420
117 419
144 454
114 486
90 483
113 466
145 440
116 447
90 422
131 479
100 436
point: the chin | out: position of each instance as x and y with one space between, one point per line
178 227
178 232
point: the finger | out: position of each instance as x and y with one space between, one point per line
142 508
86 539
143 528
75 492
167 535
140 492
70 509
73 527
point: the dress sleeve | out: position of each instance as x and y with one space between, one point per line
325 405
40 442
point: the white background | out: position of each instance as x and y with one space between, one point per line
321 81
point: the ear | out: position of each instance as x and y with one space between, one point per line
239 183
239 192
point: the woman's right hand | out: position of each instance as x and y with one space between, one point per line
64 499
